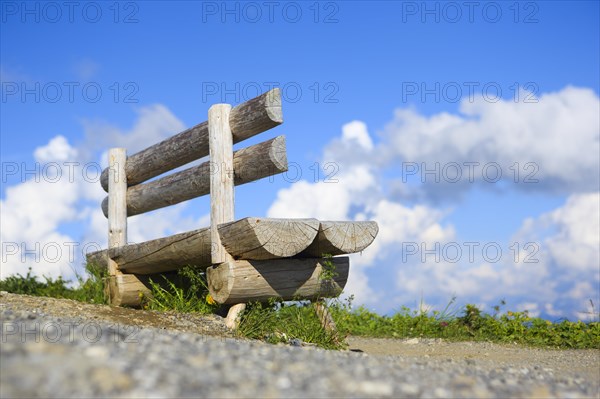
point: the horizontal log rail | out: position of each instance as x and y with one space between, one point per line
249 164
246 120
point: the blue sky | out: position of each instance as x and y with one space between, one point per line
382 90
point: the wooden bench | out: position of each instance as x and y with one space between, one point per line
252 259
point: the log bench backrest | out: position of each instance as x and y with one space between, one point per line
249 164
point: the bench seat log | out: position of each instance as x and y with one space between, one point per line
244 281
248 238
194 247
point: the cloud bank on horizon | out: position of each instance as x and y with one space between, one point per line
410 177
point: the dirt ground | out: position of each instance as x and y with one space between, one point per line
583 363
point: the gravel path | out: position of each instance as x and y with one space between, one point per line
50 350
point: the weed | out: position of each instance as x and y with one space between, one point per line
190 295
328 271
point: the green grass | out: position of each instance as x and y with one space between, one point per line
193 298
468 324
278 321
89 290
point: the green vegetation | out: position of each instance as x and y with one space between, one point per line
329 272
468 324
190 295
278 321
89 290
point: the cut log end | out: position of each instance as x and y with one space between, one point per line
278 154
126 290
338 238
273 105
268 238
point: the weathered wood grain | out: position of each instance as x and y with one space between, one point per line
117 206
261 238
244 281
160 255
246 120
249 164
133 289
127 290
234 314
339 238
221 177
325 317
248 238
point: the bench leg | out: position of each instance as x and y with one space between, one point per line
233 315
325 318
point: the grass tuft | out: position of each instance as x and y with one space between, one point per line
191 295
284 322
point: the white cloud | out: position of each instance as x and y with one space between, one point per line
58 149
31 214
552 263
559 135
356 131
154 123
35 213
564 243
357 187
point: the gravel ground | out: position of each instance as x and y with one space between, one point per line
59 348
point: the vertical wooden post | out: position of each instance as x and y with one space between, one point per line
121 289
117 206
117 214
220 142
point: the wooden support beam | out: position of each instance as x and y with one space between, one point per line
249 164
117 221
221 177
221 190
246 120
117 205
339 238
244 281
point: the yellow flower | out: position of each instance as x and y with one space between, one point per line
210 300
